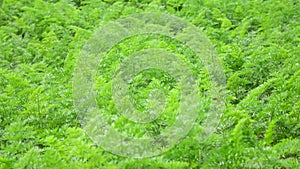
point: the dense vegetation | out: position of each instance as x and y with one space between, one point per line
257 42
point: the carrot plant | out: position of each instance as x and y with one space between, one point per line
257 42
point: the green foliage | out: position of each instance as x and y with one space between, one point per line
257 41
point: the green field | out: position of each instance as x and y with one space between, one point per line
257 42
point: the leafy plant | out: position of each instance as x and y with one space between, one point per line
257 41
